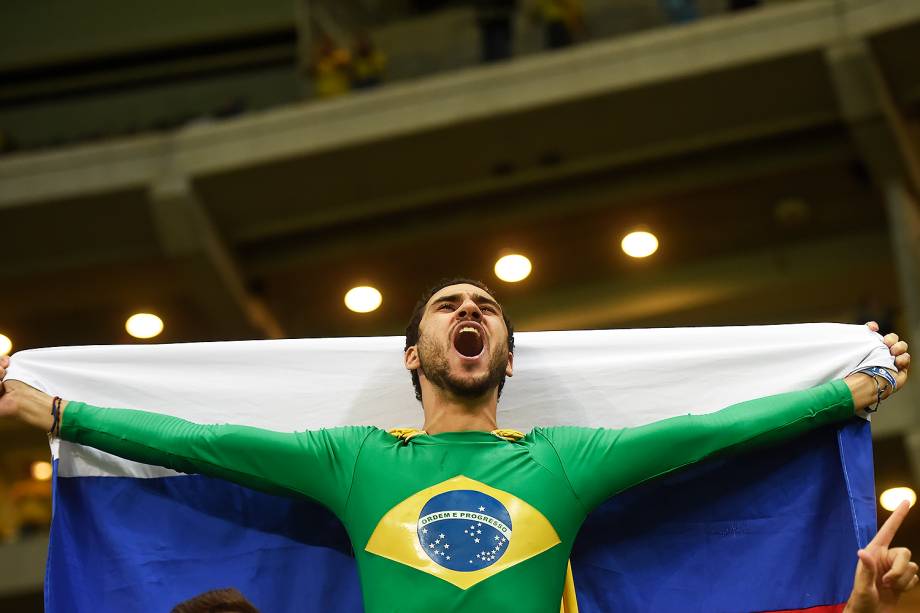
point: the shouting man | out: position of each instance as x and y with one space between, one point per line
462 515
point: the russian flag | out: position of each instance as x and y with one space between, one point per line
772 530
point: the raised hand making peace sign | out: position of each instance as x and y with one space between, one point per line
882 573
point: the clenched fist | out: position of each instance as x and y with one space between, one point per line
24 401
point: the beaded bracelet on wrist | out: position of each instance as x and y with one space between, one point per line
56 415
875 372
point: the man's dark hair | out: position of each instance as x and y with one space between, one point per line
227 600
412 330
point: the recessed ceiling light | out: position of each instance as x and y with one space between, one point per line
891 498
639 244
512 268
363 299
41 471
144 325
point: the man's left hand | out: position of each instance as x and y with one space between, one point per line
898 349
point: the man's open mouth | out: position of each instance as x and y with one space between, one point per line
468 341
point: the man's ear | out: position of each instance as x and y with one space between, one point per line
509 369
410 357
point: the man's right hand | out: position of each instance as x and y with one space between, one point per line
24 401
7 401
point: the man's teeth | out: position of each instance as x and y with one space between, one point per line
468 329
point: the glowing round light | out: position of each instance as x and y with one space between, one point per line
6 345
144 325
363 299
512 268
639 244
41 471
891 498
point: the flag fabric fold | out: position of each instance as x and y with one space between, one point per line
776 529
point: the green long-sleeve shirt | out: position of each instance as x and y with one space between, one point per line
460 520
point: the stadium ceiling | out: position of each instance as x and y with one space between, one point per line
256 226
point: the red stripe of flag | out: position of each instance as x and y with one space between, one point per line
831 608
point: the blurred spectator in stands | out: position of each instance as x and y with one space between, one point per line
227 600
738 5
562 21
8 525
331 68
496 27
874 308
428 6
32 505
680 11
368 63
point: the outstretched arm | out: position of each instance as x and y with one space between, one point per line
883 573
317 464
602 462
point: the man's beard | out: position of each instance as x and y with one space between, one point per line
433 363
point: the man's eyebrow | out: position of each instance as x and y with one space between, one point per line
477 298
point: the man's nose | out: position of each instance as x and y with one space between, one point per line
469 309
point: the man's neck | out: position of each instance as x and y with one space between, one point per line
444 413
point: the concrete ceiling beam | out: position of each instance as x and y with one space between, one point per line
882 138
208 268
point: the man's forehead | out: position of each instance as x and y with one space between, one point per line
462 289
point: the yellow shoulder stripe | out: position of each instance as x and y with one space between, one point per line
404 434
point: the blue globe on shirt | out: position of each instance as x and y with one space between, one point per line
464 530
